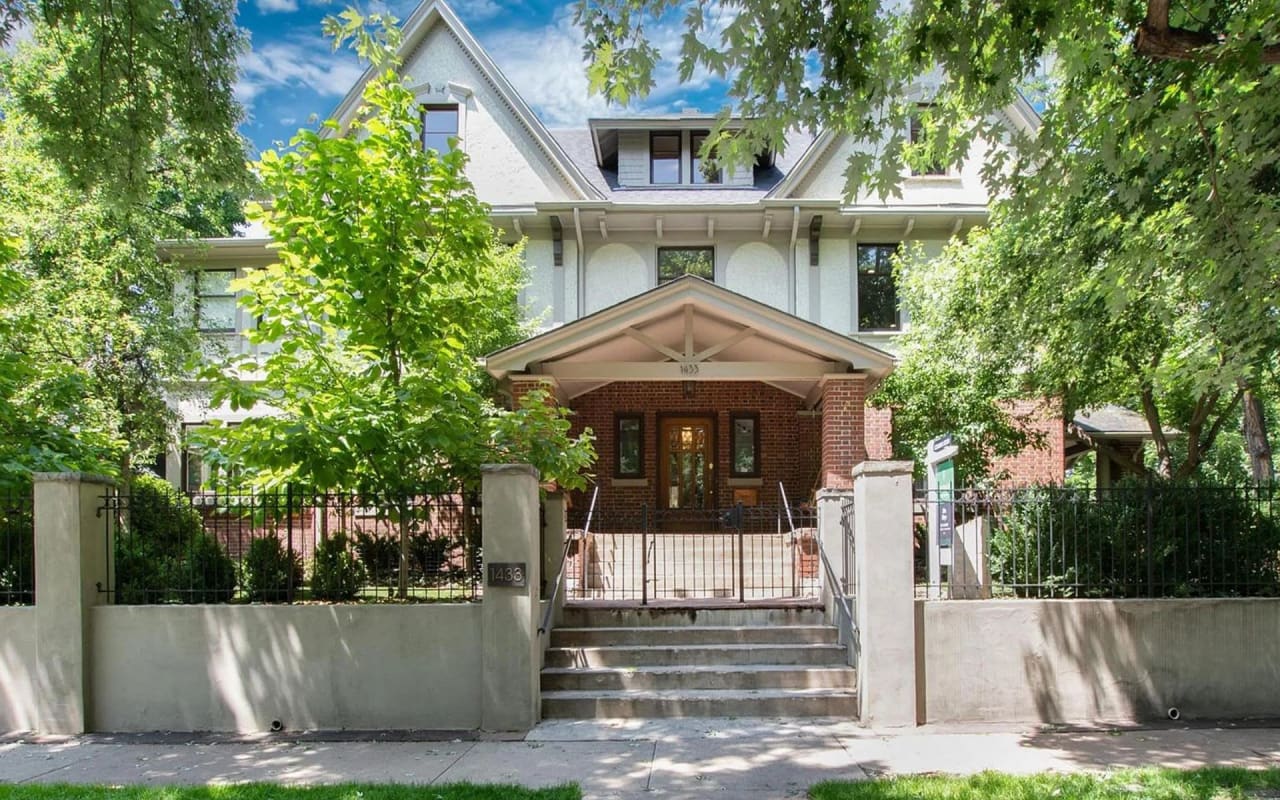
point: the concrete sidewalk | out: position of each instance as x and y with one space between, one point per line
634 759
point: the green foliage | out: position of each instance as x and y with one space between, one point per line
336 574
163 554
1213 783
17 550
390 282
1196 540
269 572
380 556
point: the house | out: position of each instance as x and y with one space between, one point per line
720 331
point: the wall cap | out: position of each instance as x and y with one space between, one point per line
834 494
72 477
867 469
509 469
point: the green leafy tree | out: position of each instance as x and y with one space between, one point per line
390 282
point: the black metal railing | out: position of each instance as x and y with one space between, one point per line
1152 540
839 585
848 553
285 546
735 554
17 548
556 585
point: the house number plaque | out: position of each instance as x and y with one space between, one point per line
508 573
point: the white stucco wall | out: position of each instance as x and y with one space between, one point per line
759 271
1099 660
826 180
616 271
539 296
18 665
237 667
506 164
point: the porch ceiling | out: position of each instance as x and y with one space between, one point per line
689 329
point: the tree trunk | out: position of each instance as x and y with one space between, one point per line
1255 439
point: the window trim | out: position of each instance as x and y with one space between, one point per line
694 172
657 262
754 416
679 137
897 307
197 295
618 418
426 108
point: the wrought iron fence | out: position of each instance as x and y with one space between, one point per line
736 554
17 548
1153 540
289 546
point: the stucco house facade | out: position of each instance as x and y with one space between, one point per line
720 332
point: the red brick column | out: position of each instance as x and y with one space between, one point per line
523 384
879 433
843 429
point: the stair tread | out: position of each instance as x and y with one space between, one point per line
710 694
712 668
699 628
712 646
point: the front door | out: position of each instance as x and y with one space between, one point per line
686 459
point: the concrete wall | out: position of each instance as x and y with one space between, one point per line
237 668
18 664
1097 660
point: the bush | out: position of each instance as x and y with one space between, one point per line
17 555
429 557
380 556
268 570
162 553
336 573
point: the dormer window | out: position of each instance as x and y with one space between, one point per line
439 128
700 173
664 158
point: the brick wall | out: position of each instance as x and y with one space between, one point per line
1044 464
843 429
789 436
879 433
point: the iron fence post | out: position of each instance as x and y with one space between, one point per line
742 560
288 522
644 555
1151 566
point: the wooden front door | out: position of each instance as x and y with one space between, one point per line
686 460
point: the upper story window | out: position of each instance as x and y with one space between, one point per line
664 158
700 172
215 302
920 135
439 127
877 293
676 261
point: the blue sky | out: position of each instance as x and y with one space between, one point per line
291 77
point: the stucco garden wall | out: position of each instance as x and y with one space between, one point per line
18 664
238 668
1097 660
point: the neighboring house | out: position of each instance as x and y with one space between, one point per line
719 332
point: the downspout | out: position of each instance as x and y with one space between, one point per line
793 290
581 265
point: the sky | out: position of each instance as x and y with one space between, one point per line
292 78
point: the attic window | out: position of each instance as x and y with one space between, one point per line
699 172
920 134
664 158
439 128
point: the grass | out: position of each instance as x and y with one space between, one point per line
1151 784
262 791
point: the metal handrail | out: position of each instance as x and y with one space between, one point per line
842 601
564 557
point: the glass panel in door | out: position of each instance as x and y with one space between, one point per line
686 462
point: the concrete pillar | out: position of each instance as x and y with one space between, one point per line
73 558
511 655
555 527
885 607
831 534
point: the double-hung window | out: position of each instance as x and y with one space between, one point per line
676 261
215 302
700 172
439 127
664 158
877 293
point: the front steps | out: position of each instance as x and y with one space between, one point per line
722 662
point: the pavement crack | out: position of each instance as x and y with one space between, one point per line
451 765
648 780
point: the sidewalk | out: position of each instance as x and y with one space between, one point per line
635 759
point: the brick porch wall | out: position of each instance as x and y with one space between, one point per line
879 433
844 410
789 435
1044 464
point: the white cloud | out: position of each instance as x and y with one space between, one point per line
277 6
473 11
300 63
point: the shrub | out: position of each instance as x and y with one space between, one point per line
429 556
336 573
211 572
268 570
380 556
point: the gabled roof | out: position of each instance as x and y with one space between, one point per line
415 29
690 329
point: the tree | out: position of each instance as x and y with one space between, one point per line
112 83
1180 154
390 282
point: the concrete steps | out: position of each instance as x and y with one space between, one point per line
696 662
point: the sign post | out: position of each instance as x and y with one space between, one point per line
940 504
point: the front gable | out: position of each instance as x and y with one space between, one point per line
513 160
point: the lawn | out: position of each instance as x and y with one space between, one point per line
262 791
1155 784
